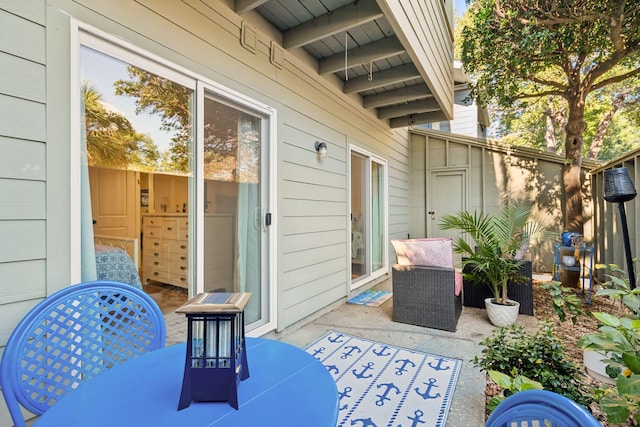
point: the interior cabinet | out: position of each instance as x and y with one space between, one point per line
165 244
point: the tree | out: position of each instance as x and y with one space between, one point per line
157 95
528 49
111 139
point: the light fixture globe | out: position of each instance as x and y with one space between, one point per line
321 148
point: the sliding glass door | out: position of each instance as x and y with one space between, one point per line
173 171
368 217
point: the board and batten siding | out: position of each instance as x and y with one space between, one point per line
312 215
494 173
22 164
607 225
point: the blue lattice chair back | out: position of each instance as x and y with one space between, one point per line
540 407
72 336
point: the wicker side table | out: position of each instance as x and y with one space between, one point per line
475 294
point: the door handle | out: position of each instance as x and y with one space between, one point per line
433 214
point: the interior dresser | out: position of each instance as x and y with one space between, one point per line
165 249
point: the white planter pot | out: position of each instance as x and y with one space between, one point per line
502 315
595 367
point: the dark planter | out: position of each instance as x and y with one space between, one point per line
474 294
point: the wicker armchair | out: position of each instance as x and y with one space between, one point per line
474 294
425 296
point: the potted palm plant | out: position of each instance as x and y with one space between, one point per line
500 241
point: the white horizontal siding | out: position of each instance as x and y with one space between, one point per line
22 78
20 118
30 42
22 163
22 281
22 199
27 240
22 159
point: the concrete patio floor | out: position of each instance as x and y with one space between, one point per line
468 405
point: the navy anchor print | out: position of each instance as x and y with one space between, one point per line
381 385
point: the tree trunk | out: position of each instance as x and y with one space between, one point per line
572 168
550 132
572 177
596 144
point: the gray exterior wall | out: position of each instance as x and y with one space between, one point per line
607 226
22 163
494 172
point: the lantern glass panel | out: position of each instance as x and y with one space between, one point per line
224 360
212 343
197 342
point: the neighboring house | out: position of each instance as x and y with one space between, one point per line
265 79
469 118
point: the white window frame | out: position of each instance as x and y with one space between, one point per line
366 278
83 34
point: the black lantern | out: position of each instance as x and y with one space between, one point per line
216 358
618 188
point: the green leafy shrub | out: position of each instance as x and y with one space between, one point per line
540 357
563 300
510 385
618 340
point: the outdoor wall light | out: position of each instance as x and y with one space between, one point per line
216 358
618 188
321 148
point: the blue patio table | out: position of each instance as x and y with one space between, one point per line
287 387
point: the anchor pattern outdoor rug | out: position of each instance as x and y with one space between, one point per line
380 385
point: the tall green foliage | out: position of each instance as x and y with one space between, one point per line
171 102
528 49
497 239
112 140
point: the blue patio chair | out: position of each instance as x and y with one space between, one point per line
72 336
540 407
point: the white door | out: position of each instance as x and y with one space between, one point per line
114 203
447 195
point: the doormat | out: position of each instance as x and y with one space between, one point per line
381 385
371 298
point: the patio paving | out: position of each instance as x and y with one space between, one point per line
468 404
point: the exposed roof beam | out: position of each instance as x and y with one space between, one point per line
405 94
417 119
381 78
341 19
374 51
244 6
423 106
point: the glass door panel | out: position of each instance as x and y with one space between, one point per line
232 205
368 217
377 216
359 217
136 175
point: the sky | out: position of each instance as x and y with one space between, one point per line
460 6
